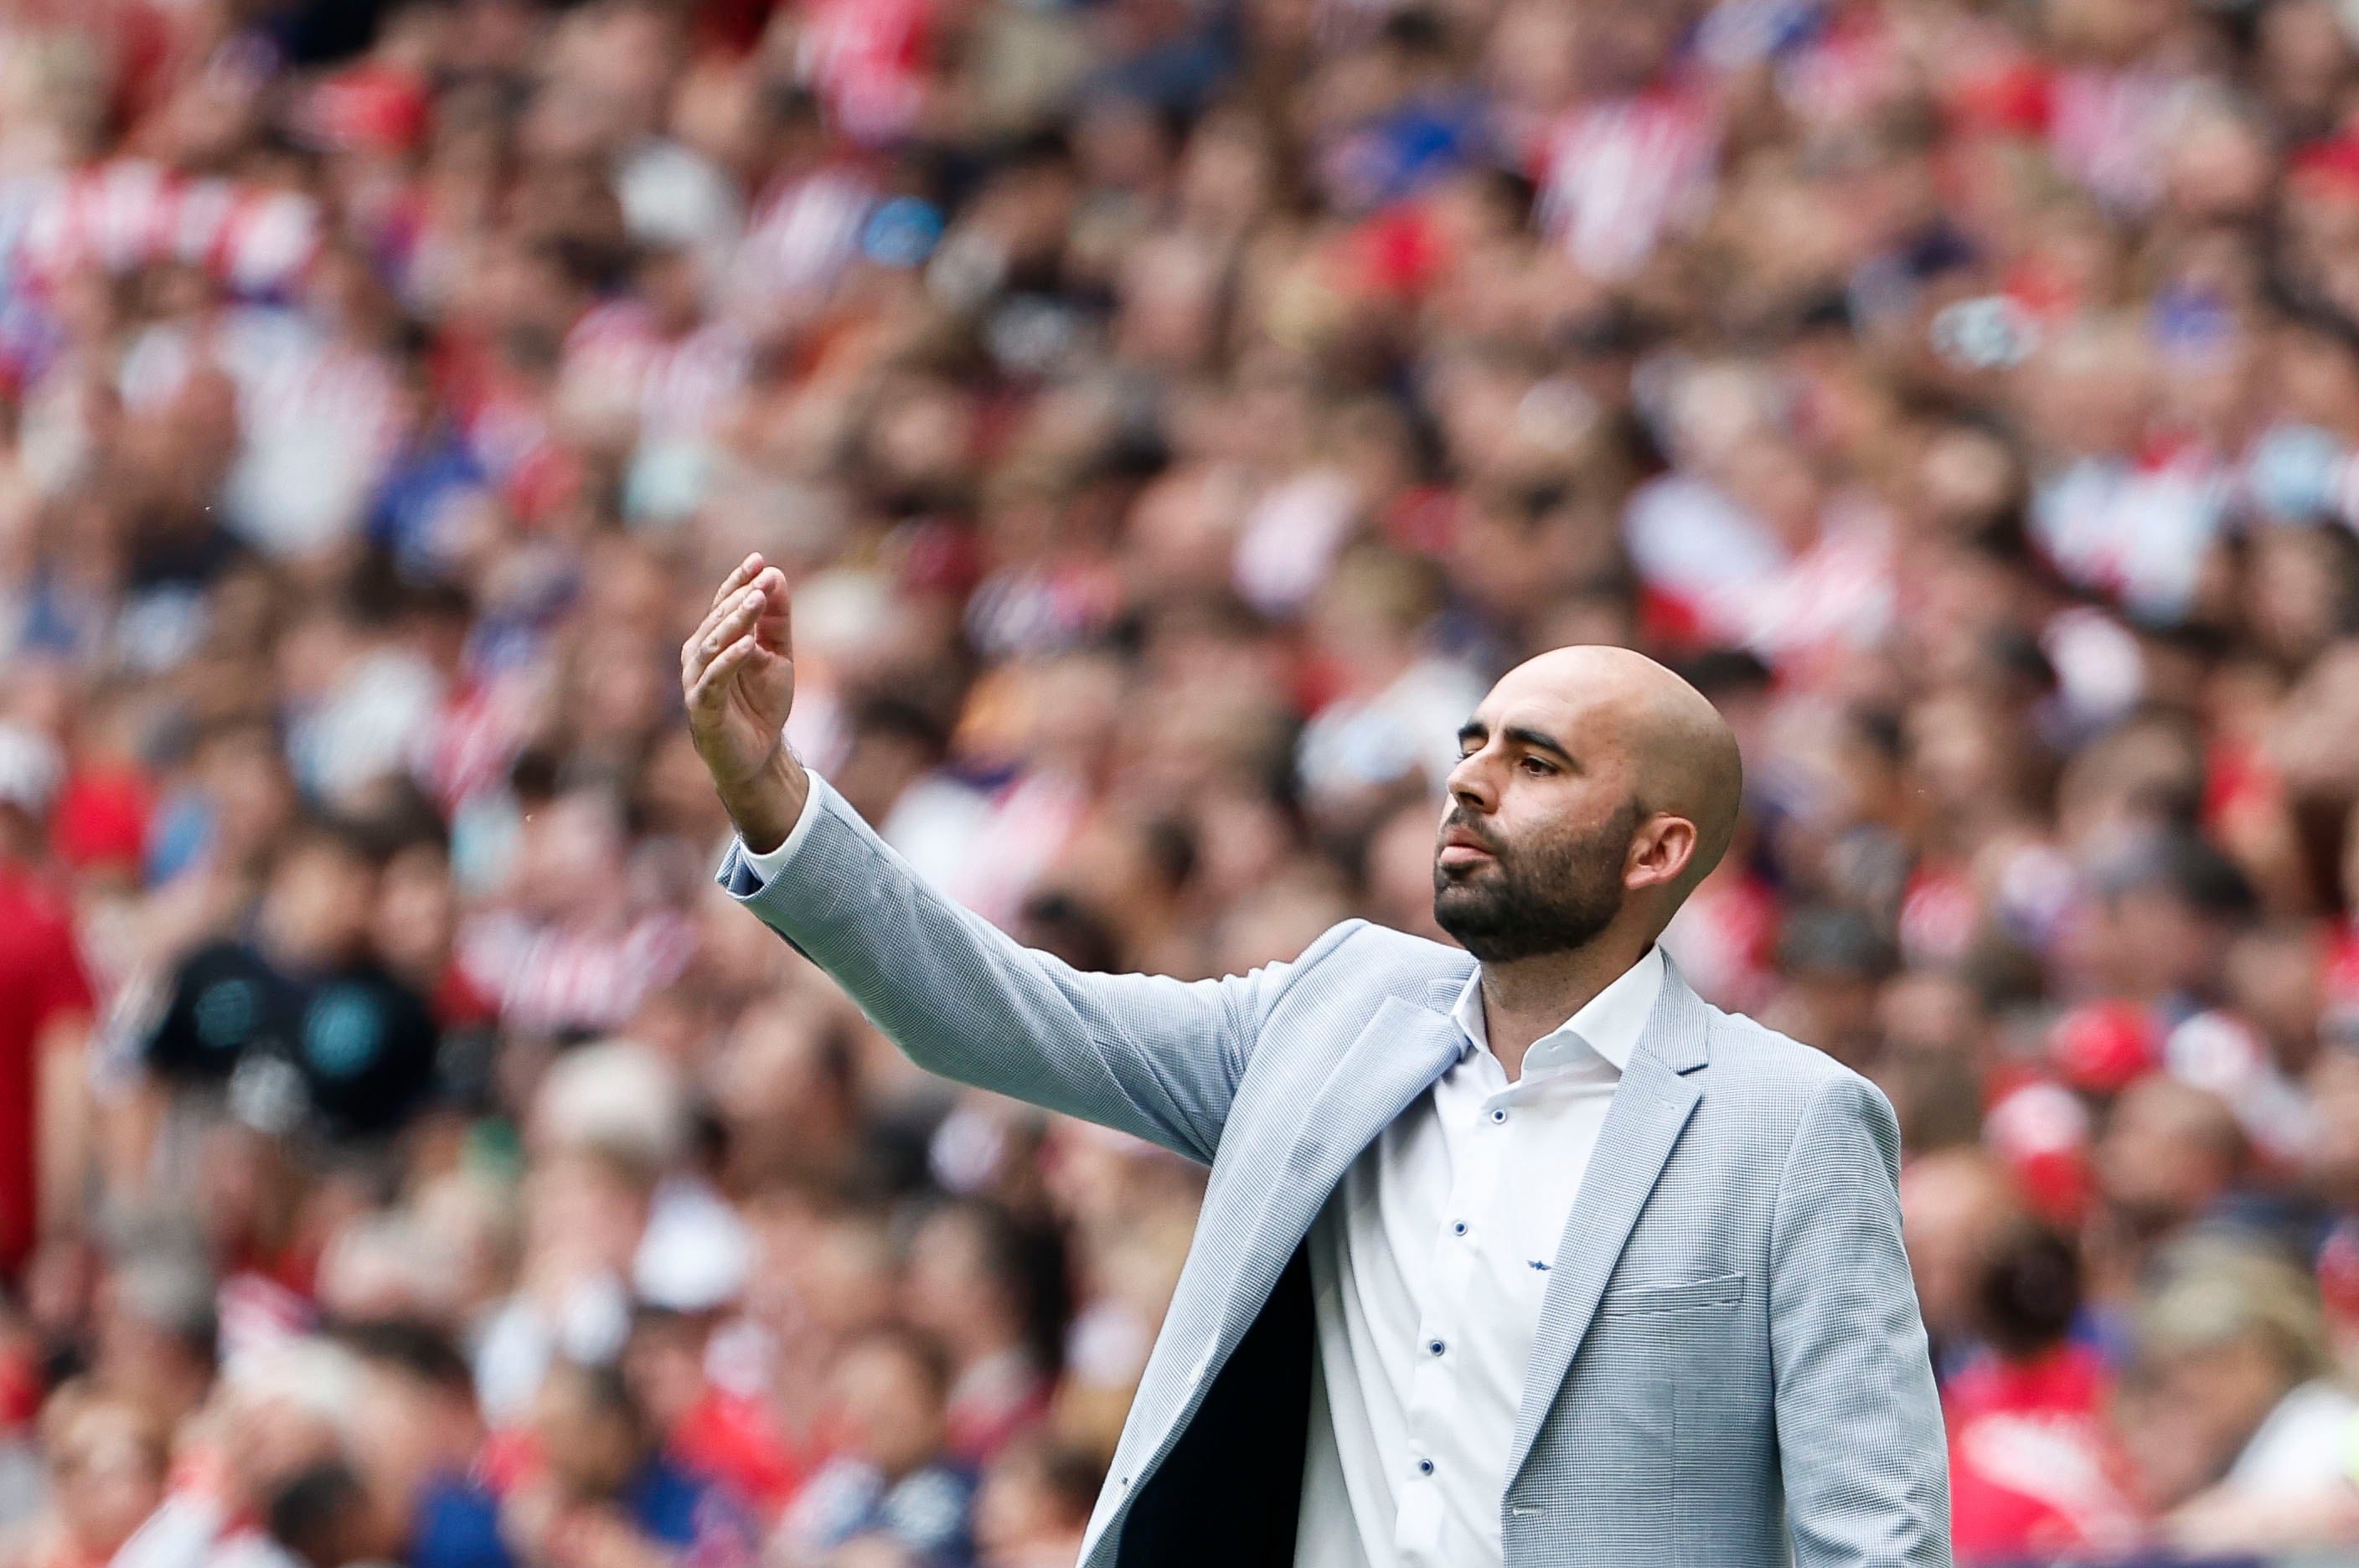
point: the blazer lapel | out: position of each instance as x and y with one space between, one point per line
1371 1081
1642 1125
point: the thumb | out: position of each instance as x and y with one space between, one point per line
775 630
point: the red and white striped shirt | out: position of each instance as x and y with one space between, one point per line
617 361
804 234
549 978
128 213
1619 172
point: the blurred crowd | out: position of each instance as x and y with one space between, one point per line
1172 415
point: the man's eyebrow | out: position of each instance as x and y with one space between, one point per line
1532 739
1477 731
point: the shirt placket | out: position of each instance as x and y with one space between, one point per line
1470 1233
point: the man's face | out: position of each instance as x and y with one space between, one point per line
317 908
2166 1155
590 1450
1533 848
893 1416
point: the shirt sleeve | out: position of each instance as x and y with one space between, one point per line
770 862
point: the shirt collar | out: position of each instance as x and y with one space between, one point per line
1611 1024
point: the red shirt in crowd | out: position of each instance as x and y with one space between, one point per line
2033 1469
995 1399
729 1438
41 982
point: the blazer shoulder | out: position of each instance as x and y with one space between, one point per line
1758 1057
1773 1087
1398 957
1358 958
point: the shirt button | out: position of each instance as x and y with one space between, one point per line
1424 1466
1459 1228
1434 1347
1498 1117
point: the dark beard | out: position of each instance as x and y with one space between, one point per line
1548 897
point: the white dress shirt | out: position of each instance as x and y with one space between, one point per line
1430 1266
770 862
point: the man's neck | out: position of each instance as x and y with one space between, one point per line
1526 999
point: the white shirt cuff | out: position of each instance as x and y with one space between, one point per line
770 862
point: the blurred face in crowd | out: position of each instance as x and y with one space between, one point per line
1034 1495
2198 1406
2273 979
668 279
417 914
106 1461
950 1284
890 1402
316 912
141 1359
2296 588
665 1364
783 1088
569 864
2160 942
417 1432
2168 1152
585 1213
587 1435
1580 785
843 1276
269 1434
2333 1085
958 1290
247 784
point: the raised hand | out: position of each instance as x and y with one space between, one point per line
738 677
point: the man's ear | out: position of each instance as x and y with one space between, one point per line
1664 847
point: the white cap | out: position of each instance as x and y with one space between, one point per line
696 1252
30 769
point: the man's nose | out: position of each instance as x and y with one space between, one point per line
1469 785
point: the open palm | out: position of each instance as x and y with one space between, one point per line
738 676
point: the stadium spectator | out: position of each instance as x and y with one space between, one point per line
46 1003
982 1286
1035 1505
2034 1469
893 1476
1169 417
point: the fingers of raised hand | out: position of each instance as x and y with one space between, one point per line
712 683
728 621
745 571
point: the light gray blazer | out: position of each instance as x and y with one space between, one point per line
1730 1365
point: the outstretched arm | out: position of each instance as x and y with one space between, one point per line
1859 1424
1157 1057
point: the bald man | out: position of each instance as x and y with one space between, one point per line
1514 1252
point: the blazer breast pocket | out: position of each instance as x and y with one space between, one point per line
1649 1300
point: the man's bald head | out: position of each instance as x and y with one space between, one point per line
1596 790
1683 756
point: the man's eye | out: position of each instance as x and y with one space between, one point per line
1535 766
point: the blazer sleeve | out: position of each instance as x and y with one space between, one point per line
1149 1055
1859 1423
